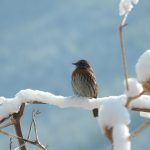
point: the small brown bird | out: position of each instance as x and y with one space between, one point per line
84 82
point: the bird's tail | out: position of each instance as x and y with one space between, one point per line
95 112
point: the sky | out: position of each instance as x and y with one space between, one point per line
39 40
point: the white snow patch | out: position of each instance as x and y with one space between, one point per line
112 113
112 107
120 137
2 100
145 114
135 88
143 67
10 106
141 102
125 6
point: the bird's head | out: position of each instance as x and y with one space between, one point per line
82 64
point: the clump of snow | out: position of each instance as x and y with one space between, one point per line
141 102
143 67
2 100
145 114
58 100
135 88
111 113
126 6
120 137
10 106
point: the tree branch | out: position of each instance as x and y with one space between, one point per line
139 130
23 139
6 125
141 103
123 51
16 120
10 144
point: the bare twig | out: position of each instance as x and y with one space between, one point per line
23 139
139 130
16 120
30 129
34 123
123 52
10 144
35 102
6 125
6 118
140 109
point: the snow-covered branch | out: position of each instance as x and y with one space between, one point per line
9 106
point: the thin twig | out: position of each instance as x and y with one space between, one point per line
6 118
30 128
34 114
10 145
35 102
23 139
140 109
6 125
34 123
139 130
123 51
16 120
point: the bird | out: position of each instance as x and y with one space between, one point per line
84 82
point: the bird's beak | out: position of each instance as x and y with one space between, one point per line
74 64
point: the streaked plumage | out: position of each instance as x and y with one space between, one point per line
84 82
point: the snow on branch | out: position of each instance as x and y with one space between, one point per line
142 67
126 6
120 134
9 106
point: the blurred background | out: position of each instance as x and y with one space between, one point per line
38 42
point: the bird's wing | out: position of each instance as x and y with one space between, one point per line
84 83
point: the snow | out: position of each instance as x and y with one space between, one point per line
141 102
60 101
115 104
2 100
120 137
134 1
11 105
142 67
111 113
145 114
126 6
135 88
